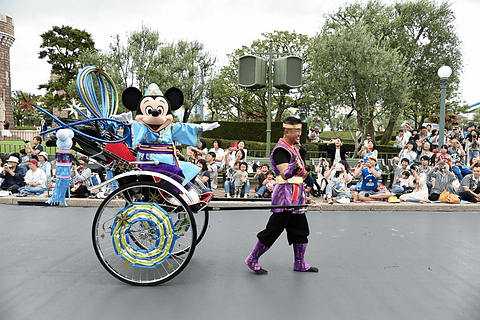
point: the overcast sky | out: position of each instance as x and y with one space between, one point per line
222 26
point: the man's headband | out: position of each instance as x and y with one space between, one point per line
292 126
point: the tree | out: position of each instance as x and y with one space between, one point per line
239 103
353 74
62 47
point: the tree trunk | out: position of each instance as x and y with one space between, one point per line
388 131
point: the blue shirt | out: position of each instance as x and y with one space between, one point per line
369 181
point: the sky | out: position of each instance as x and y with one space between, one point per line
222 26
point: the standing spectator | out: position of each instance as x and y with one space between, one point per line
13 175
472 145
458 156
315 135
43 127
442 180
456 133
406 134
368 138
6 132
422 134
338 152
219 154
470 186
370 189
35 181
418 185
399 140
434 139
37 147
429 130
339 177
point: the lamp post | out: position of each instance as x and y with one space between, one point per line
444 72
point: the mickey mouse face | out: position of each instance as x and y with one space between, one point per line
153 112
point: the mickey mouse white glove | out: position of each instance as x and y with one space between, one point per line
209 126
125 118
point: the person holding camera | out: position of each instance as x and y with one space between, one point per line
419 185
81 178
338 152
470 186
370 190
472 145
442 180
13 175
339 177
408 152
37 147
458 156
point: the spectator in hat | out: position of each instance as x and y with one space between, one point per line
13 175
35 180
44 164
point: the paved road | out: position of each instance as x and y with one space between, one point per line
373 265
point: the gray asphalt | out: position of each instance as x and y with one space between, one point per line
373 265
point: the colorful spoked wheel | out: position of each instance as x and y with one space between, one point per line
144 234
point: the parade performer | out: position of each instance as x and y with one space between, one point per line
154 132
289 167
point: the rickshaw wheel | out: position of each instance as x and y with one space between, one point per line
142 238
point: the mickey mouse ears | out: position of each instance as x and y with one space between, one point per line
153 90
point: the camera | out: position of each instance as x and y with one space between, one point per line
26 141
8 165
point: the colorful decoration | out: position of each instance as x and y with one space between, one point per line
27 102
143 235
64 165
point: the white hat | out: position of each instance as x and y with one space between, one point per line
44 154
12 159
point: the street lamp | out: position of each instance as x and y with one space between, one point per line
444 72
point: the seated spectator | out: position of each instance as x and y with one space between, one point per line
2 164
229 178
443 155
473 161
409 152
428 170
232 151
398 170
419 186
13 175
422 135
204 174
37 147
336 153
199 152
178 153
442 180
426 150
219 154
321 169
370 190
24 159
212 167
339 177
81 178
261 175
458 156
308 180
44 164
469 189
399 140
367 151
269 184
241 183
35 181
239 156
404 181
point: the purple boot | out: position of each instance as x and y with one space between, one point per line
300 264
252 259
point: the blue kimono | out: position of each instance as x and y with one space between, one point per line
158 146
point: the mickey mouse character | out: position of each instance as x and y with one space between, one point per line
154 130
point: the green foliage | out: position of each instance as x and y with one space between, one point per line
62 46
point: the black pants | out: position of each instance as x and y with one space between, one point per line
468 196
296 226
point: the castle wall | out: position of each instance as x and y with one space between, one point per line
6 40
